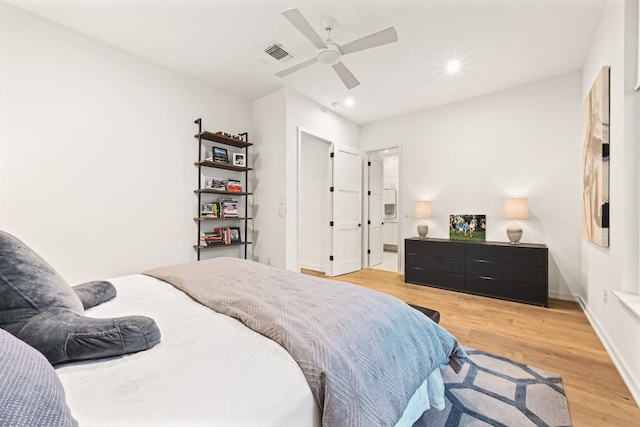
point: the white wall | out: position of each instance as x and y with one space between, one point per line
467 157
616 267
279 155
269 126
97 150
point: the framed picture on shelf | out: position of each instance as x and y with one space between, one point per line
220 155
206 210
239 159
234 234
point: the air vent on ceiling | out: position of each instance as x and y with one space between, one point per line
276 51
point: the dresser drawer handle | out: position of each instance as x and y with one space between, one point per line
488 278
417 268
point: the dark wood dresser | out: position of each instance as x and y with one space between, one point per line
494 269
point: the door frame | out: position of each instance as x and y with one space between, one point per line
401 213
366 183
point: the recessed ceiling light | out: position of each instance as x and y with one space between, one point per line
349 102
453 67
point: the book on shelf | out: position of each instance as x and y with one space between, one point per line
220 236
234 185
228 208
217 184
211 238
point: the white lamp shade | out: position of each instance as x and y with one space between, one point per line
422 210
517 208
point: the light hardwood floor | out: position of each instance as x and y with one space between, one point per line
558 339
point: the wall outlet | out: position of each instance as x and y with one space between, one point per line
604 296
268 260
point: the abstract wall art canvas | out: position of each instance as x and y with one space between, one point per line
467 227
595 162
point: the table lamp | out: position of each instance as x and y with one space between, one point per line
514 209
422 211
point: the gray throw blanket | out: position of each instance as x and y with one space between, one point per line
363 353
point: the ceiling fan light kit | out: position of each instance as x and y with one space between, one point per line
330 53
329 56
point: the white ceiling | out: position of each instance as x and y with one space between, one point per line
501 44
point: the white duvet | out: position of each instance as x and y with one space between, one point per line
208 369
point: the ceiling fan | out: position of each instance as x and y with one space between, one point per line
330 53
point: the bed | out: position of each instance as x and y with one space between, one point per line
208 369
244 344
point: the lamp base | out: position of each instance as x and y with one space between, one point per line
423 229
514 232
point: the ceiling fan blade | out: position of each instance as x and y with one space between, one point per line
300 22
297 67
372 40
345 75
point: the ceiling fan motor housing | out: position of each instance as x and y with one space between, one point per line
329 56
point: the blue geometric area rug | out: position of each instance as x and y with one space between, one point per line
495 391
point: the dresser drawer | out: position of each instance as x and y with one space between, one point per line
434 278
505 289
531 274
427 262
439 249
512 254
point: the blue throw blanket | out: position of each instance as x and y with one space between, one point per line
363 353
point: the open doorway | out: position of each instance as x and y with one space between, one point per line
390 161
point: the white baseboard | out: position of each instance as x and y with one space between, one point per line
313 267
563 296
632 385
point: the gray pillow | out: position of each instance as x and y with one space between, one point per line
37 306
32 394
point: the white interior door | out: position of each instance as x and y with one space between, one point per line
314 178
376 209
346 211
